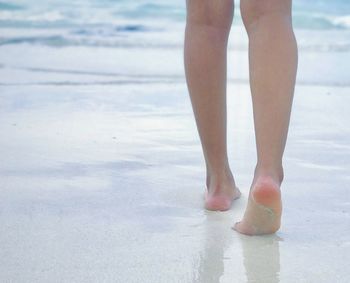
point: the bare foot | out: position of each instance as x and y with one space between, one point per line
264 209
220 197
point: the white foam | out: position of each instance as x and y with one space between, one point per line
342 21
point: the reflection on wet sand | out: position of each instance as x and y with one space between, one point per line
222 260
261 258
218 237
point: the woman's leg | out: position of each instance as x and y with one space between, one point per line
207 30
273 66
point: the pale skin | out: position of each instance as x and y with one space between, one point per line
272 67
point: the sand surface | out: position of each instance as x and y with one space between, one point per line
102 174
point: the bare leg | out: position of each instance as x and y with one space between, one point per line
206 35
273 65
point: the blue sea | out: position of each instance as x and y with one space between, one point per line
321 26
106 22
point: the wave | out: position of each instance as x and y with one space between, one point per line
145 23
152 41
317 21
306 14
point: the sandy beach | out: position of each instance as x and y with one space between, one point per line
102 174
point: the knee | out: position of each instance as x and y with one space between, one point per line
214 15
254 11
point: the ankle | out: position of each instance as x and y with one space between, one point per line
276 173
218 178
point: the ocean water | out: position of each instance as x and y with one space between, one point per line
107 22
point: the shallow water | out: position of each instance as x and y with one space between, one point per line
135 32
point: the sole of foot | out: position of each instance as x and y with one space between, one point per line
220 201
264 209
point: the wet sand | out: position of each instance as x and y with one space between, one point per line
102 174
